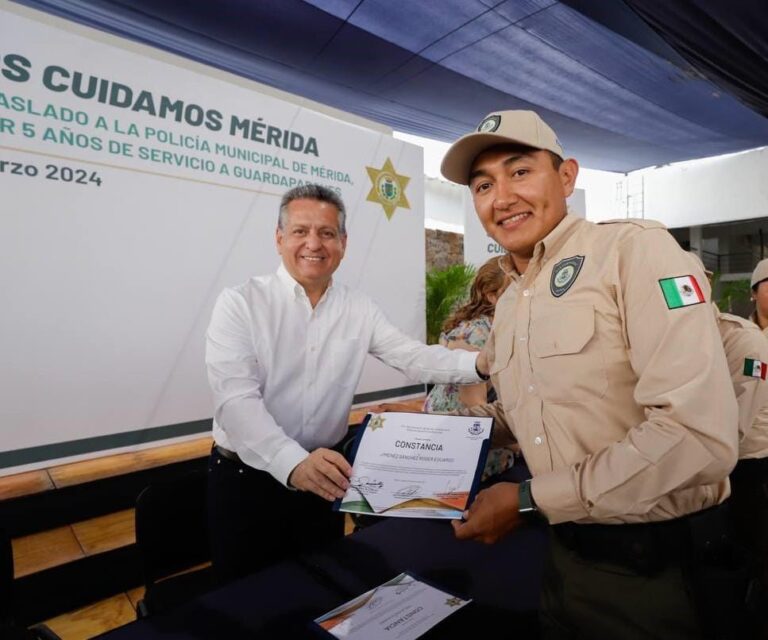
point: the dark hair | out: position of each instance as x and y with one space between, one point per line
556 159
312 192
490 279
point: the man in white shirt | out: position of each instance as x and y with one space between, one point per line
284 354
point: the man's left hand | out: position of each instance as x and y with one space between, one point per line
492 515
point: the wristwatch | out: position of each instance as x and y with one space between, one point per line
482 376
527 506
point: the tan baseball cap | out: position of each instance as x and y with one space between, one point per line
500 127
760 273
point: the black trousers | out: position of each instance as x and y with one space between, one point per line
749 508
749 512
587 599
255 521
677 579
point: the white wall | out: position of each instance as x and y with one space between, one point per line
719 189
442 205
603 194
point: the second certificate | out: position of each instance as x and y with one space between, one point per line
417 465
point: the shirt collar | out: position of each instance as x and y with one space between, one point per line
547 246
554 241
291 285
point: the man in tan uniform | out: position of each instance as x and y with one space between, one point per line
759 286
746 350
612 378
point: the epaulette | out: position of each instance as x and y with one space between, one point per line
638 222
737 320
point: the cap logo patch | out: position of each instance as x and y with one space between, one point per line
564 274
490 124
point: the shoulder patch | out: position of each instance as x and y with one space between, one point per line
755 368
681 291
638 222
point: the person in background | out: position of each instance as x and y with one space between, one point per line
759 295
468 328
746 350
284 354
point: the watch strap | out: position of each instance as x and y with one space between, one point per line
526 503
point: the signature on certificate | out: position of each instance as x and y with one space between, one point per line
407 492
364 484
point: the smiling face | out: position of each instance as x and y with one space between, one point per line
519 196
310 244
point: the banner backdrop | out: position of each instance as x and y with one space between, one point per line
133 190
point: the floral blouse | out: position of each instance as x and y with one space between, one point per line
444 398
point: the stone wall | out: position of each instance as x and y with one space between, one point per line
443 248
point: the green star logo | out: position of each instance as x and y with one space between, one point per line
376 422
388 188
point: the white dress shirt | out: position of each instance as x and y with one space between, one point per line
284 374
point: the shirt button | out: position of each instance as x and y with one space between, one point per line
531 388
537 440
312 348
523 338
526 292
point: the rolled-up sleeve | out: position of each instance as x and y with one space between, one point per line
236 382
689 436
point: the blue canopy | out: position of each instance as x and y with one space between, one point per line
621 94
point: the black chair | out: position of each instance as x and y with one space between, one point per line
172 537
10 627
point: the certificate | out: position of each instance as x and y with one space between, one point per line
416 465
403 608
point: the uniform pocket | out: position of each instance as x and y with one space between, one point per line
567 357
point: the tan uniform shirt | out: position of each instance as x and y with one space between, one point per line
622 406
744 346
753 318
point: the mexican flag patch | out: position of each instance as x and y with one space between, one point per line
682 291
755 368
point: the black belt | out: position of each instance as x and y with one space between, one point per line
645 547
226 453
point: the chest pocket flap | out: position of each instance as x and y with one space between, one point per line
564 333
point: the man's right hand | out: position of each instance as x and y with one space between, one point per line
323 472
494 513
